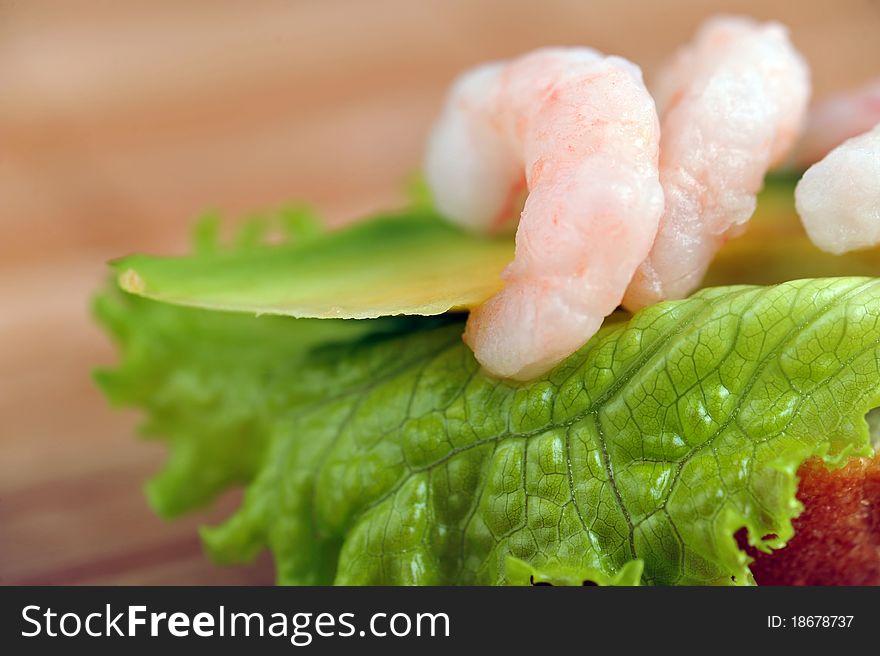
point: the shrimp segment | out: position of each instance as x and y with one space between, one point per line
838 198
581 132
731 104
836 119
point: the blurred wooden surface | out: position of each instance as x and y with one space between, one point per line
119 121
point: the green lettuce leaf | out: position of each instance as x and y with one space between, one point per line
198 375
390 458
519 572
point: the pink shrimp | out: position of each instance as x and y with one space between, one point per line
581 132
836 119
731 104
838 198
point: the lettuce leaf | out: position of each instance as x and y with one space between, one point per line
388 457
198 376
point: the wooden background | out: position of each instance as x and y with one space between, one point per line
119 121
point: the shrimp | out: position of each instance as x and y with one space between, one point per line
579 131
731 104
838 199
836 119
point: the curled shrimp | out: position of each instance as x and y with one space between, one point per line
579 131
836 119
731 104
838 199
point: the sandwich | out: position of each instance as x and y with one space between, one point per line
616 336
